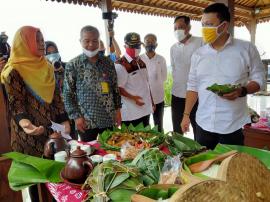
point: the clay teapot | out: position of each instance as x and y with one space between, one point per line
78 166
54 144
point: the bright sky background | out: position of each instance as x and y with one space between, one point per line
61 23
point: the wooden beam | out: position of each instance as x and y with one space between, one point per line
165 8
168 8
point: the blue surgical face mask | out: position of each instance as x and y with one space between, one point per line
53 57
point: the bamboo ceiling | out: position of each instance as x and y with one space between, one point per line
245 10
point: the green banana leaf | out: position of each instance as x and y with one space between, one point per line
222 89
260 154
157 138
27 170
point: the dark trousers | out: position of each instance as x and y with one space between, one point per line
178 107
210 140
158 116
91 134
144 120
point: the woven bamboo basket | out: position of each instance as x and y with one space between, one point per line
248 174
208 191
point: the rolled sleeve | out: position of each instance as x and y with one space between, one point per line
69 92
192 78
256 67
122 75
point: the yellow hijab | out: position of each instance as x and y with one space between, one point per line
37 73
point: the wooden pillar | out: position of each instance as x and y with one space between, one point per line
106 6
252 27
231 5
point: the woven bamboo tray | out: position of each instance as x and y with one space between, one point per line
208 191
248 174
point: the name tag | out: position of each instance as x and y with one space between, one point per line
105 89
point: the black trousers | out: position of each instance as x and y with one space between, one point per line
210 140
158 116
178 107
91 134
144 120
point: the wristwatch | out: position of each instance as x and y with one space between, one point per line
243 92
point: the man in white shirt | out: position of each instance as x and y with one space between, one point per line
222 60
133 84
181 53
157 72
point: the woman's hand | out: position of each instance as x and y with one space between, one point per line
66 124
30 128
80 124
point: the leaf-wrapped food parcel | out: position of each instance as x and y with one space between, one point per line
223 89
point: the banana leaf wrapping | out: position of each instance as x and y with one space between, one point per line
155 140
178 144
114 182
157 192
223 89
150 163
27 170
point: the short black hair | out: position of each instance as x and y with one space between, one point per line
186 19
151 35
221 9
89 28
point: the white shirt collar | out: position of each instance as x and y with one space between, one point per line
228 42
129 59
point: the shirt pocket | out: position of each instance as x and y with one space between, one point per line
136 80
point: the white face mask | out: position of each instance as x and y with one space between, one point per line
89 53
180 34
137 52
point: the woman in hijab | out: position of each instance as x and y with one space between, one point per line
54 57
34 101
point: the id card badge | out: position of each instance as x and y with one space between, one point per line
105 85
105 89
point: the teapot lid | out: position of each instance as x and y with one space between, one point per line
55 135
78 152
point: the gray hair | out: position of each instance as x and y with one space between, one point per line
89 28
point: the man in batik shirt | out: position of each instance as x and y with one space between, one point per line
91 94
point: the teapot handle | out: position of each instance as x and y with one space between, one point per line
52 149
89 164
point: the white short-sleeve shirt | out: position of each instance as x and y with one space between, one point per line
135 83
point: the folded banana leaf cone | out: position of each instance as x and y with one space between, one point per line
113 181
178 144
27 170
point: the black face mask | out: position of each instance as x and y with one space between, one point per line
101 53
150 48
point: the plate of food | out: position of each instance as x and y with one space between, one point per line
223 89
139 136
